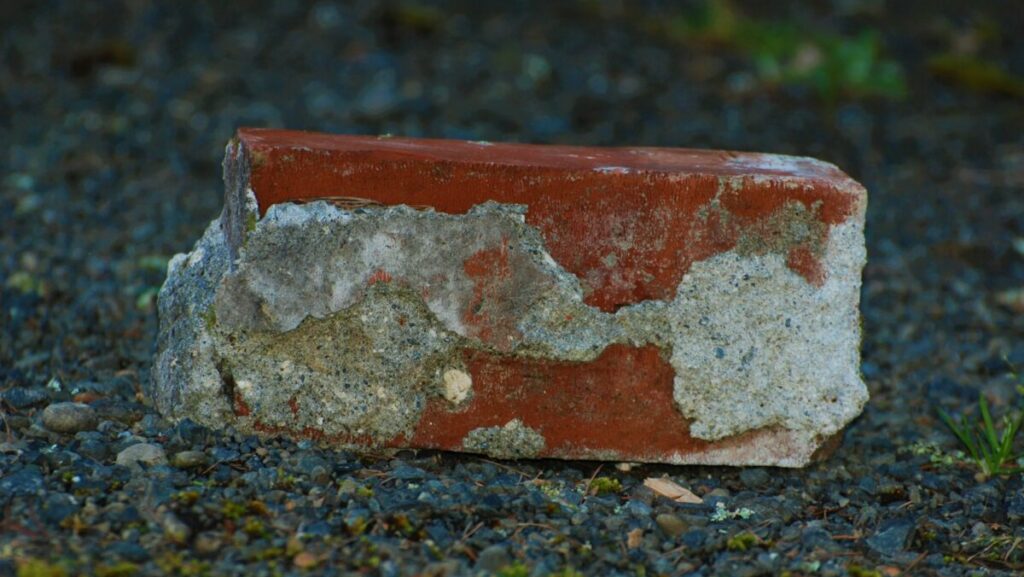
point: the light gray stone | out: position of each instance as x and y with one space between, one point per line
189 459
69 417
139 454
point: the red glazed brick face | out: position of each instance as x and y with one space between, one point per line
627 222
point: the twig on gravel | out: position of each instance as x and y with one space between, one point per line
677 552
508 468
915 562
521 526
7 426
979 553
1006 558
213 466
368 473
468 532
590 481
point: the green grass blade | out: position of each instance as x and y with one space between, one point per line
962 432
973 443
1010 434
988 427
1006 440
991 463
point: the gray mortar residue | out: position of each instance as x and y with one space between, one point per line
299 331
791 360
331 254
239 202
514 440
793 224
186 382
366 371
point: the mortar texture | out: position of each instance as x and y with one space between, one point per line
343 325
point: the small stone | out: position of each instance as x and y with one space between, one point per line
754 478
189 459
493 558
1015 506
1012 299
305 560
146 454
175 529
407 473
57 507
445 568
208 543
18 422
456 386
129 551
24 397
124 412
635 538
69 417
672 525
638 508
891 537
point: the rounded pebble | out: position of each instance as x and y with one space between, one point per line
142 454
175 529
189 459
493 558
672 525
208 543
69 418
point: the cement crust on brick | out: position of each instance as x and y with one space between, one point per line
347 322
754 345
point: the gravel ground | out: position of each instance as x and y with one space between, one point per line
113 118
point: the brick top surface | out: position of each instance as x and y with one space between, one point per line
629 222
606 159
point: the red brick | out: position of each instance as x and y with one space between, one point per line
629 223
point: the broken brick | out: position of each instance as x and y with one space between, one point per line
633 304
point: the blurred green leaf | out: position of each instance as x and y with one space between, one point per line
975 74
835 66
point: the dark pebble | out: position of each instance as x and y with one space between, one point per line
493 558
129 551
754 478
672 525
24 397
891 537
